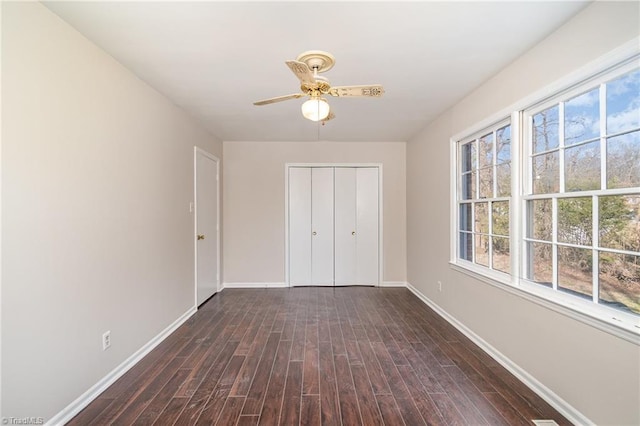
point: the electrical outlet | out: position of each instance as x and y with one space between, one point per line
106 340
439 285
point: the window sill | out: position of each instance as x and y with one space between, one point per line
604 321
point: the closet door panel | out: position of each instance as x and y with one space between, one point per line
345 226
367 199
322 199
300 226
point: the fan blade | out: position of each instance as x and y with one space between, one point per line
302 71
279 99
372 90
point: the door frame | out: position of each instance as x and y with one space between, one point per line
287 166
199 151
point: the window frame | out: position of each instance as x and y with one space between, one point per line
607 68
473 139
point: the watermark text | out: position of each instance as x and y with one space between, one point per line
23 420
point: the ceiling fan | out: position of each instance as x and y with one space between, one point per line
306 67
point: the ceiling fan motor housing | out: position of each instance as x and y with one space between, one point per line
321 86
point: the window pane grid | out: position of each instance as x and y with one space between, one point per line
534 240
614 191
591 179
584 142
600 249
603 139
541 153
576 246
561 153
577 200
484 163
615 251
554 241
626 132
595 271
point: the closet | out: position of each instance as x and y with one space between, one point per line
333 226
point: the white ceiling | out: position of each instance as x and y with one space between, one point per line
214 59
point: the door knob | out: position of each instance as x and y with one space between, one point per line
315 233
353 232
200 237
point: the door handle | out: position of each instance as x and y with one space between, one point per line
353 232
200 237
314 233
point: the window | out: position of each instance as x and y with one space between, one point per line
571 231
583 198
484 198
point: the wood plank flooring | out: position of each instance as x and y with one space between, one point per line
311 356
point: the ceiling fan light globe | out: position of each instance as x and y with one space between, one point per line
315 109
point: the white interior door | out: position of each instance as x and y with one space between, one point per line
206 225
322 226
300 226
367 223
345 226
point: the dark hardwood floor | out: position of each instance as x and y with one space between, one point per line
313 356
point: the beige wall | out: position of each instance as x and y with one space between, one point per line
97 177
595 372
254 203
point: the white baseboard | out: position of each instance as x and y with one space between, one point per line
83 400
393 284
284 285
573 415
254 285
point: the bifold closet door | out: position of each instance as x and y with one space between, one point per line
311 226
356 226
368 228
322 200
333 226
300 226
345 226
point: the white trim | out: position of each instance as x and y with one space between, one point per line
195 227
380 226
286 225
216 160
566 409
287 165
560 149
393 284
71 410
284 284
379 166
1 5
255 285
515 206
454 168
